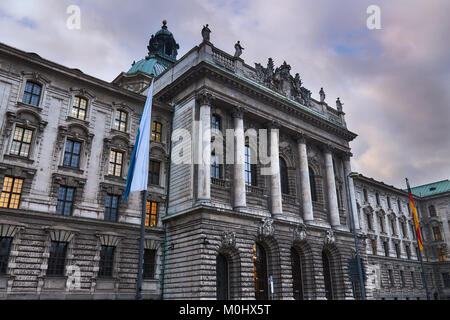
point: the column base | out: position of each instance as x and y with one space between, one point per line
202 202
241 209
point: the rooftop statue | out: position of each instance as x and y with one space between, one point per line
205 33
339 105
322 95
238 48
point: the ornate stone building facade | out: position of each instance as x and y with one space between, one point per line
219 225
392 252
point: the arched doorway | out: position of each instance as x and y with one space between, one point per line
328 278
260 272
222 277
297 275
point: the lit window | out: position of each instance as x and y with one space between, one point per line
5 246
57 258
115 163
442 255
121 120
106 263
65 200
156 131
111 207
32 93
154 168
21 142
79 108
72 154
437 233
11 191
149 264
151 217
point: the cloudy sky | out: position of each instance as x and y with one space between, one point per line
394 82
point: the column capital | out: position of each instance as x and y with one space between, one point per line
273 124
204 97
327 148
300 137
347 155
237 112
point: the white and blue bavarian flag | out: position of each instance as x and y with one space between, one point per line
137 177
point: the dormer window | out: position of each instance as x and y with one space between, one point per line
32 93
121 120
79 108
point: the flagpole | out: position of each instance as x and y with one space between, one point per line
141 246
424 278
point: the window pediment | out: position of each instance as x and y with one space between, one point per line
82 92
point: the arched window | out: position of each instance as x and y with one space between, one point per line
260 273
215 122
432 211
297 274
312 184
222 276
32 93
284 177
327 276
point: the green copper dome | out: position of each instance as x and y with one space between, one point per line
162 53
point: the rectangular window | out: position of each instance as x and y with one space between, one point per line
115 163
369 222
5 247
156 131
79 108
121 121
391 278
399 205
408 252
151 218
11 192
381 218
402 278
65 200
386 248
250 169
366 196
215 167
413 231
402 225
32 93
154 167
442 255
149 264
446 279
373 243
413 279
389 202
397 250
215 122
21 142
111 207
393 227
72 154
377 197
437 233
57 258
106 263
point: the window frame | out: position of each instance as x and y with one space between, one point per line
154 174
151 216
79 108
64 201
72 153
156 136
21 142
216 167
284 176
111 213
5 251
114 164
118 122
312 185
11 192
106 262
149 264
57 258
216 121
250 169
31 93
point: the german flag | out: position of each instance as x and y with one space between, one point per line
416 220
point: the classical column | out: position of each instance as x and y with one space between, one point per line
304 180
351 188
333 208
240 201
275 183
204 147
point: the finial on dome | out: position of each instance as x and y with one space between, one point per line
164 22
